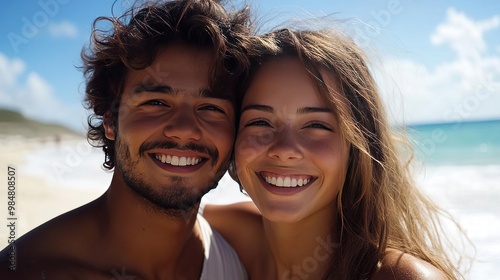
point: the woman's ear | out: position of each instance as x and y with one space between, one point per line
232 171
109 128
234 175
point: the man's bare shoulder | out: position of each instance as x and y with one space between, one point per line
60 242
53 269
402 266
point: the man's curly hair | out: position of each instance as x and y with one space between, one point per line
133 41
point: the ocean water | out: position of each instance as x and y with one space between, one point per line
461 143
460 170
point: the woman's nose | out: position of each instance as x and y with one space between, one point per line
284 146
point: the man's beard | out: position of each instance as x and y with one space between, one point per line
173 197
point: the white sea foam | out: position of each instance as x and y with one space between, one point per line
71 164
472 194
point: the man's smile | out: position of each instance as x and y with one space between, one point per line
178 160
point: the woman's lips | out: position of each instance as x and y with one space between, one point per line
285 183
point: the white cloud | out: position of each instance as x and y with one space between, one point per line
63 29
33 96
462 34
466 88
9 70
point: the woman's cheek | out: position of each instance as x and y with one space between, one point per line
250 144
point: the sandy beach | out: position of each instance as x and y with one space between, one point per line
38 194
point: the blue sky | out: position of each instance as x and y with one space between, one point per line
435 61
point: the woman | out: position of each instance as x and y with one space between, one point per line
316 155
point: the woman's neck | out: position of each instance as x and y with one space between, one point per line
303 249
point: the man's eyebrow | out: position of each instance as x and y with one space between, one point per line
207 93
152 88
203 93
259 107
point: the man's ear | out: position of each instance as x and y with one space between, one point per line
109 129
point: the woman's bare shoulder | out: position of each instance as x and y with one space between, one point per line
403 266
241 225
234 219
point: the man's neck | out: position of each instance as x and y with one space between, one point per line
145 240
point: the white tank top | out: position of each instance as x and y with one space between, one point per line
221 261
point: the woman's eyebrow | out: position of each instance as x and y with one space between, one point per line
301 110
259 107
305 110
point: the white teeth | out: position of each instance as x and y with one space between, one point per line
279 183
175 160
286 182
178 161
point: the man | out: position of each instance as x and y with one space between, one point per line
161 88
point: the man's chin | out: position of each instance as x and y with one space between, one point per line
174 200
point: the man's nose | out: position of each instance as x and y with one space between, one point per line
182 125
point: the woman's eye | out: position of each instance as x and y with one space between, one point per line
319 125
258 123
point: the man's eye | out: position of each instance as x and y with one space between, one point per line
154 102
211 108
258 123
